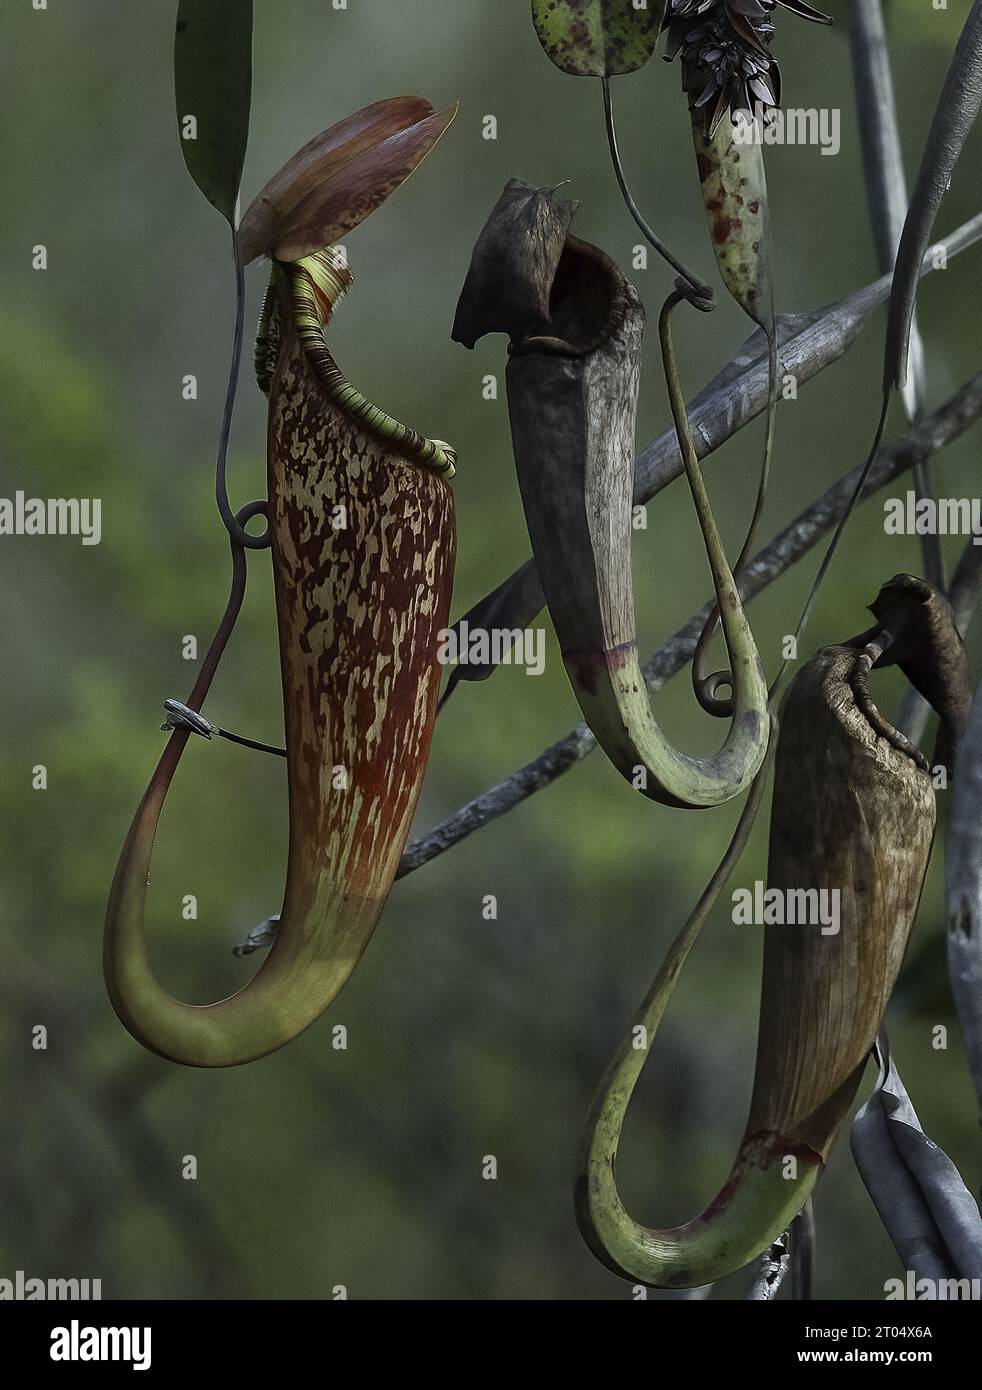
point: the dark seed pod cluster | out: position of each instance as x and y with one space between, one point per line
727 65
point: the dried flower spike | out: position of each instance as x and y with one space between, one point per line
727 65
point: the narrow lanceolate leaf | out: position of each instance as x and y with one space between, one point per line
339 178
734 191
886 192
511 607
928 1212
213 91
598 38
957 109
964 891
883 163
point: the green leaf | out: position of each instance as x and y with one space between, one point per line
213 84
598 38
929 1213
734 191
956 113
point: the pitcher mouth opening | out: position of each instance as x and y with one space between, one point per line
588 302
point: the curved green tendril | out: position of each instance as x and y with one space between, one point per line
573 416
695 289
833 546
233 523
706 685
734 188
747 738
757 1204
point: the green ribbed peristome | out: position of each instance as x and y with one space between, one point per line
316 283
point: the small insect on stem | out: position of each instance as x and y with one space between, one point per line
182 717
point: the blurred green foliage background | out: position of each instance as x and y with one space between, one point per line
363 1168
